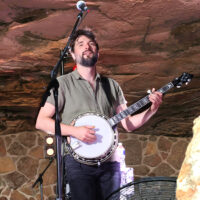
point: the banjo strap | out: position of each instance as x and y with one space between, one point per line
107 90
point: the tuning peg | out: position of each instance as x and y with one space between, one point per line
179 85
149 91
188 81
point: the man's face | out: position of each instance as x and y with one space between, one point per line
85 52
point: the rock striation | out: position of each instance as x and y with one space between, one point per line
143 44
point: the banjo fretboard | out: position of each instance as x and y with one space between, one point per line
137 106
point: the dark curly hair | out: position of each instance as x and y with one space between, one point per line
86 32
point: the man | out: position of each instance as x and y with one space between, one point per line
82 91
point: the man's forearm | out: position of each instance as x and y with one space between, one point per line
133 122
48 125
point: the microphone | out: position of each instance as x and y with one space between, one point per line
81 5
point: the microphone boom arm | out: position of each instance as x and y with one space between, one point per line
54 72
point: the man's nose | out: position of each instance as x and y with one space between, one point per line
87 46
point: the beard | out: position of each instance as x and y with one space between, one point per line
88 61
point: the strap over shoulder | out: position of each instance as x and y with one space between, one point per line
107 90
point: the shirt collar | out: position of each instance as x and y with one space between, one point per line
78 76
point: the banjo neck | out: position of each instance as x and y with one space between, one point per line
177 82
136 106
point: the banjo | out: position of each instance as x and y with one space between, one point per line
105 128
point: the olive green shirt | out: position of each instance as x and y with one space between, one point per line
76 96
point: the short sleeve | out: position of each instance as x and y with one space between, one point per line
118 93
61 96
121 98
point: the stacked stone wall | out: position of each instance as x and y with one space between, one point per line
22 160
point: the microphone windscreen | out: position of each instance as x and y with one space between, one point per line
81 5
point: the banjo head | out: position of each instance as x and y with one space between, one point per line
102 148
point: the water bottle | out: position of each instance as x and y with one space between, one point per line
121 156
127 174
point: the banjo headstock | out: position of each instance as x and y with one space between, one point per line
184 78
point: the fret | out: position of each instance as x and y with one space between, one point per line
119 117
166 88
126 112
122 115
138 104
116 118
131 110
146 100
113 120
142 103
135 106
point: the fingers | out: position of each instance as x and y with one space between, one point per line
89 138
90 127
156 98
88 134
155 95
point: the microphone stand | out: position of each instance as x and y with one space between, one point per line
55 85
39 179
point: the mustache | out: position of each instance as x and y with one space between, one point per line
86 51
